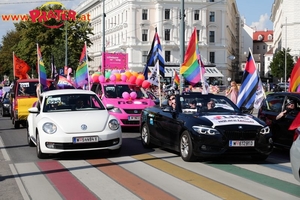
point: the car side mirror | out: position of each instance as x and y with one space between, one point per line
109 106
33 110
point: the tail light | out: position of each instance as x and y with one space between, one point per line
296 134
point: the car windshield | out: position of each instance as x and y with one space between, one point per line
206 104
116 91
27 89
72 102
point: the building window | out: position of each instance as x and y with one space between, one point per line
167 56
212 57
196 15
211 0
257 47
270 37
198 35
144 56
268 58
144 35
144 14
211 36
212 16
167 34
264 47
167 13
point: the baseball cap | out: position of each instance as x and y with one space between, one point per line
289 101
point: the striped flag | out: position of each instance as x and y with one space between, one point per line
249 86
176 79
82 73
192 68
154 54
41 69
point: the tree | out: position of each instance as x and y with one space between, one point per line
278 64
50 40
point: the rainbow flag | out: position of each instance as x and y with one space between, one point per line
81 76
176 79
295 78
41 69
190 69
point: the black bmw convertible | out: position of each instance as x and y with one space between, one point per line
202 126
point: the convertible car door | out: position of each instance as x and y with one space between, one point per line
170 128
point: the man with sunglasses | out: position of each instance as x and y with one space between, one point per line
289 108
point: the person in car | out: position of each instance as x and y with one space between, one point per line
172 102
192 104
289 108
211 104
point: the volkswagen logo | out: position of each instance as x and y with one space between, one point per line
83 127
240 127
136 112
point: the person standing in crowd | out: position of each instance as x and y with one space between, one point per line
233 92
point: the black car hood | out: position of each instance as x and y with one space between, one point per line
229 119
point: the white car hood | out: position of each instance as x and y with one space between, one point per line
71 122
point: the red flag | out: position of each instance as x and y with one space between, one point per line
296 122
20 68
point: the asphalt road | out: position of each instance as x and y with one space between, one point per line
137 173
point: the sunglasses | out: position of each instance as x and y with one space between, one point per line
172 99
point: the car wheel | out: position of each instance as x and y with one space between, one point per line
39 152
16 125
29 141
145 136
186 147
260 157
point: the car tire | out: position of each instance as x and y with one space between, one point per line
29 141
186 147
39 152
16 125
260 157
145 136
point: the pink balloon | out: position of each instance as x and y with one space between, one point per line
133 95
101 79
95 79
125 95
112 77
123 77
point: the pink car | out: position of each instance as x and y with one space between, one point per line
128 99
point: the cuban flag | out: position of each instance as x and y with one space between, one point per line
249 85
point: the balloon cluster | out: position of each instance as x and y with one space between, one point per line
121 76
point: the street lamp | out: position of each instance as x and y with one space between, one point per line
229 79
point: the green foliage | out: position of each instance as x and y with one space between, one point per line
24 39
278 64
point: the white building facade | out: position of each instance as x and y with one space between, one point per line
130 27
286 25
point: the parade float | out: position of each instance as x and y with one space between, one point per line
126 91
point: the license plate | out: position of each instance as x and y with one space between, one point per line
134 118
85 139
241 143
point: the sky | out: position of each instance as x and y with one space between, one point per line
256 12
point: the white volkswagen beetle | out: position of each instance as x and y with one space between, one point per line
72 120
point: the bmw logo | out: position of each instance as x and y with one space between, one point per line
83 127
135 111
240 127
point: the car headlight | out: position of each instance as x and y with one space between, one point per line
265 130
206 130
113 124
49 128
6 105
115 110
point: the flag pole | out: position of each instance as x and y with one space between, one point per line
87 66
38 61
14 65
158 76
